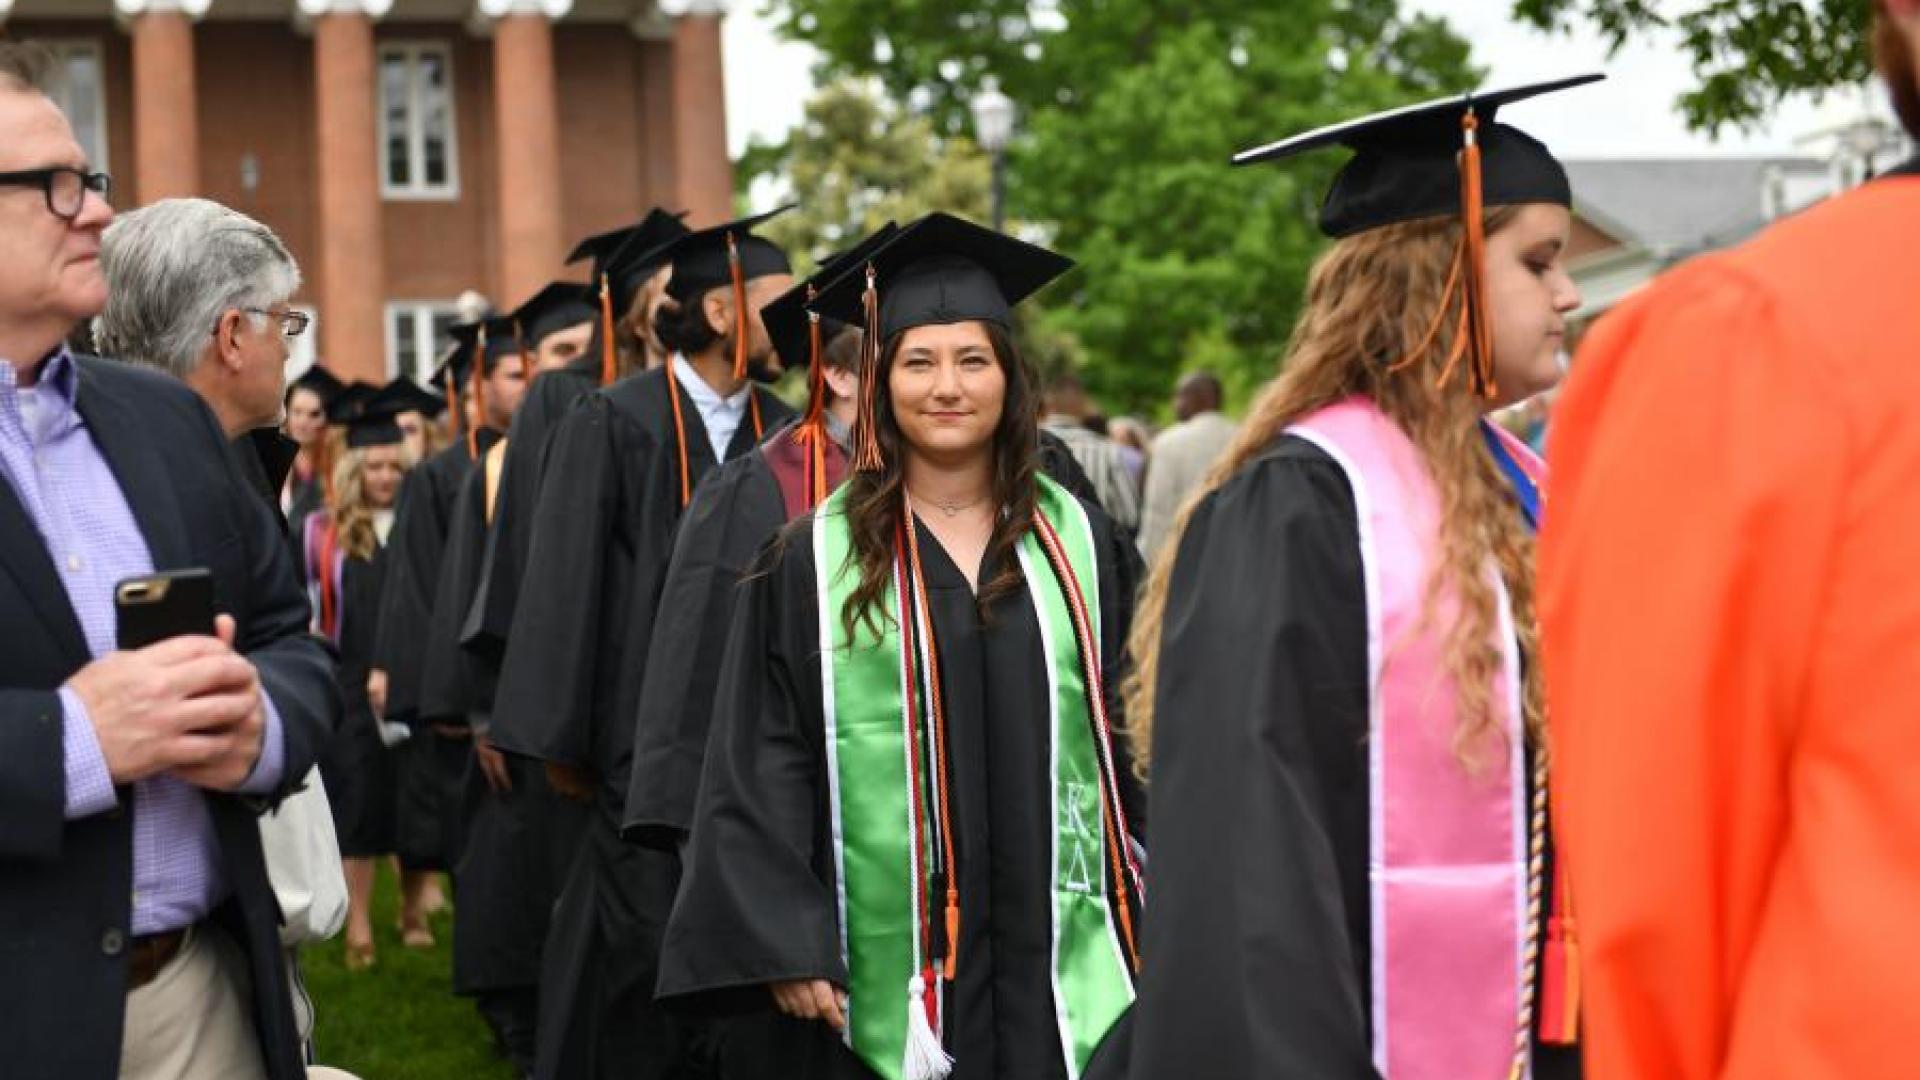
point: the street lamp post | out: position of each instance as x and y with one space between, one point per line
993 127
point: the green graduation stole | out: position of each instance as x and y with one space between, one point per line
886 764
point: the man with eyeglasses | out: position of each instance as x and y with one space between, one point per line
142 936
201 292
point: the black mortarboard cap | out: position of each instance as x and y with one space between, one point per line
559 305
700 260
786 318
629 255
504 338
1406 160
349 401
943 269
320 381
369 413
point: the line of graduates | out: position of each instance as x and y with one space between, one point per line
818 743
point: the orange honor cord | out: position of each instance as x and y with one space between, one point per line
476 385
935 701
679 434
866 457
1560 966
916 807
1126 870
739 308
609 356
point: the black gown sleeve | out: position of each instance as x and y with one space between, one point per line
544 705
452 683
757 903
1251 962
406 604
734 512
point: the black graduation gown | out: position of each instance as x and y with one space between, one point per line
431 765
758 902
1258 947
569 687
514 849
359 770
737 510
510 538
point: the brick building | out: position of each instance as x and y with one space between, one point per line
406 150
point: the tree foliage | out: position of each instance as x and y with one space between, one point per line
1747 55
1130 110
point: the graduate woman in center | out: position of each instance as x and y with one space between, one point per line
913 832
1339 682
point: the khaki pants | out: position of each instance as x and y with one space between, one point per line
194 1021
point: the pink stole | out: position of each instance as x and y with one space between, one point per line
1448 850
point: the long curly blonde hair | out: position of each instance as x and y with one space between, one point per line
1370 301
352 513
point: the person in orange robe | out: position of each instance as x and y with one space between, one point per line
1730 577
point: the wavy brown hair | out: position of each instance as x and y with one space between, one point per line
1370 299
876 500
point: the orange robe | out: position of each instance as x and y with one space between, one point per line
1730 596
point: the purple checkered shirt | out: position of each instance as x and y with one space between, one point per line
67 488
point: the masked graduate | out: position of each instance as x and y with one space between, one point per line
732 516
1352 863
623 466
627 285
913 826
515 835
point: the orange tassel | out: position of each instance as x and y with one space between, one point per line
1473 219
609 356
453 403
478 386
953 933
739 309
867 457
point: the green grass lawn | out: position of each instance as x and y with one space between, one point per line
398 1020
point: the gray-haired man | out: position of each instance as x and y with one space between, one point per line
201 292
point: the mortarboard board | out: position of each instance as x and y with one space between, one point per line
726 254
557 306
1406 161
622 260
1446 157
319 380
940 269
368 414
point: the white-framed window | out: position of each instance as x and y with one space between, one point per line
77 82
417 336
418 157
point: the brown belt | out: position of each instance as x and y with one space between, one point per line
149 954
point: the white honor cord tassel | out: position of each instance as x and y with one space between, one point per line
926 1058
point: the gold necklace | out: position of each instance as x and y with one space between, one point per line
951 509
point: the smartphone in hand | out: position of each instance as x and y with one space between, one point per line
154 607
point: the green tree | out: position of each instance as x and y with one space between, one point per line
1748 55
1130 110
858 161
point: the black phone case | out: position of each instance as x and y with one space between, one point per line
175 603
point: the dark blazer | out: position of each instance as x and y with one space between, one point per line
66 887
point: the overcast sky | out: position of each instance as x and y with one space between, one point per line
1632 114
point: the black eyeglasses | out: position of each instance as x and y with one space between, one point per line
66 188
